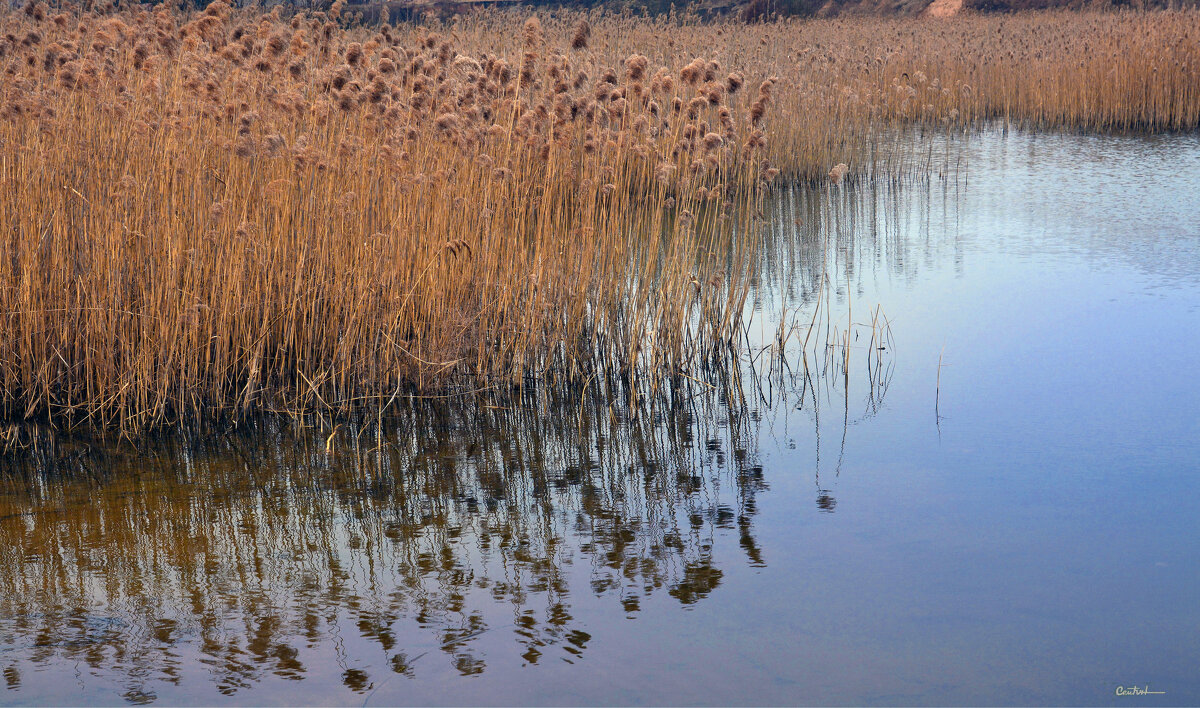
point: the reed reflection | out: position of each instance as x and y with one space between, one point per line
249 550
828 349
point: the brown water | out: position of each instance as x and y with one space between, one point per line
999 506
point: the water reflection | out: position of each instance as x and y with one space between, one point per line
243 549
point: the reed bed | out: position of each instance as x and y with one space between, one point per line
232 211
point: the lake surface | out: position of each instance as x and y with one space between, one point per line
992 498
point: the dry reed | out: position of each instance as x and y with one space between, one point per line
231 211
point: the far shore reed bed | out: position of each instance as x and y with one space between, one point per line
228 211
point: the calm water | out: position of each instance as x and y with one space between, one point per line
999 506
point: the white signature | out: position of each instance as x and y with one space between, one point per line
1138 691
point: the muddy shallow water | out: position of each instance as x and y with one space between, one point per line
999 506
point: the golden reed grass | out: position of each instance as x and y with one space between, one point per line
228 211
